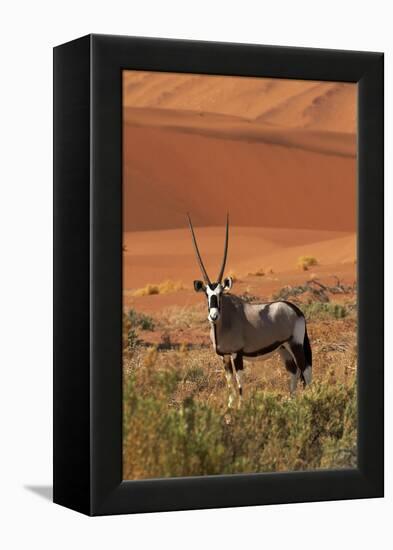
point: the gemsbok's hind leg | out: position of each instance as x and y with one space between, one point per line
299 353
291 367
229 378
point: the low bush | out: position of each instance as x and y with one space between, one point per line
304 262
140 320
316 290
324 310
165 287
168 437
132 340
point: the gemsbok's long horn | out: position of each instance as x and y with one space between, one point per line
204 272
224 261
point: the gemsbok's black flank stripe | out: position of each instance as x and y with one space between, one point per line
262 351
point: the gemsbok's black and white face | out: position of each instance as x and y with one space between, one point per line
213 292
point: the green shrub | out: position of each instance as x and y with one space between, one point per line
132 340
321 310
144 322
271 432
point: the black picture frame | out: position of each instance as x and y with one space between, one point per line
88 274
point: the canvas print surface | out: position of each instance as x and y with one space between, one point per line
239 275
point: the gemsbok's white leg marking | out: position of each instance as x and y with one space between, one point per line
237 374
229 379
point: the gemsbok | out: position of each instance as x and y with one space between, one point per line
241 330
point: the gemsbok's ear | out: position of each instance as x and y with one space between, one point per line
228 282
198 286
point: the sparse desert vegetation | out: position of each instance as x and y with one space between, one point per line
139 320
305 262
165 287
258 273
261 272
175 420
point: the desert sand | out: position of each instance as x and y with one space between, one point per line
329 106
156 256
168 173
278 155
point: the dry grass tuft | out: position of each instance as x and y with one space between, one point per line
165 287
305 262
178 317
258 273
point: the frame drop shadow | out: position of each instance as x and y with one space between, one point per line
44 491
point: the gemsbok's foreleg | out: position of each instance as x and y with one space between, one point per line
237 365
229 378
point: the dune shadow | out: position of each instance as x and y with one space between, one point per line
44 491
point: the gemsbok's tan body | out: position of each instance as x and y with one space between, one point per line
240 330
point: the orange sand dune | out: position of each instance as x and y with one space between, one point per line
168 172
286 103
329 106
330 252
154 256
237 128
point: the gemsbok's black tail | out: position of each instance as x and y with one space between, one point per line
307 349
305 373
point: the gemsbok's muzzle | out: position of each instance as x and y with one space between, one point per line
214 312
